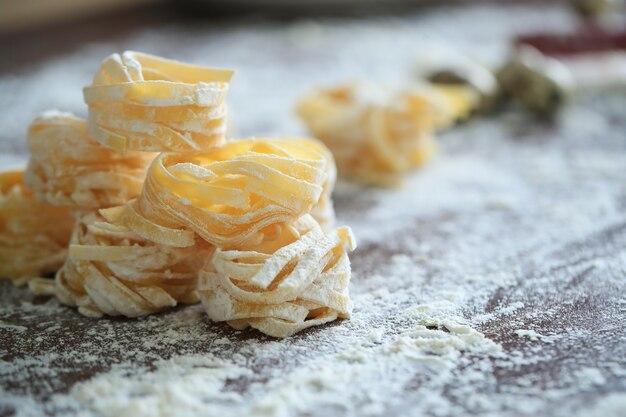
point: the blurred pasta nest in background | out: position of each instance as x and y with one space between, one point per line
375 135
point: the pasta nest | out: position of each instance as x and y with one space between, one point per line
228 195
146 103
33 234
68 167
376 139
297 278
110 270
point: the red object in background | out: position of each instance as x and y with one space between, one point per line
588 41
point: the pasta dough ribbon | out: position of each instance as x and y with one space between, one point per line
324 210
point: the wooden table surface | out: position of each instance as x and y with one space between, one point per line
509 248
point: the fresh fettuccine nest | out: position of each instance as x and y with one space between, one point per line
227 196
252 219
374 139
110 270
68 167
33 235
297 277
147 103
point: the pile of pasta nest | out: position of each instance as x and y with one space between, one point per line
147 204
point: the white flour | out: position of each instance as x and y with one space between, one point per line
466 278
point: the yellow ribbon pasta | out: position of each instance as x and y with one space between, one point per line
373 140
228 195
110 270
68 167
147 103
296 278
33 234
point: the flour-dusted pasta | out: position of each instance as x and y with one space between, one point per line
33 234
228 195
111 270
147 103
297 277
68 167
374 139
253 218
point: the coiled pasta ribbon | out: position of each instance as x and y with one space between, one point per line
68 167
33 234
110 270
374 141
227 195
147 103
296 278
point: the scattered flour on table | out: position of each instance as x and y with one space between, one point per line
373 370
534 336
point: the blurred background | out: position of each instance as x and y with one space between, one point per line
33 30
280 48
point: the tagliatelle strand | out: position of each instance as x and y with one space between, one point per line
281 291
33 234
110 270
324 210
158 93
146 103
147 229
